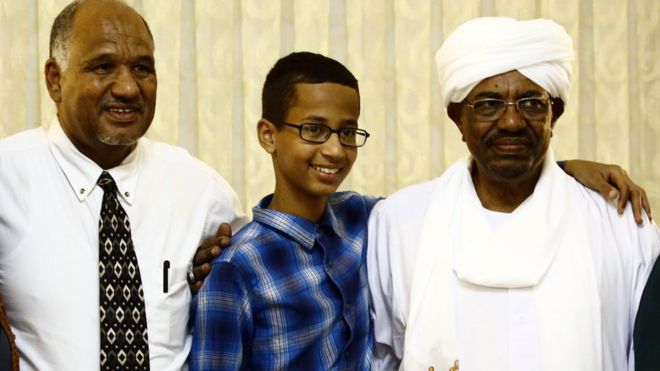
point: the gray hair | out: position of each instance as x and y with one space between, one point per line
61 32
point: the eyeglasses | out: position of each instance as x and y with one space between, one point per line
319 133
532 108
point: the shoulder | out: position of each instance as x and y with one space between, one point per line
192 186
595 207
396 222
618 229
412 199
24 155
247 247
171 156
24 141
350 202
254 254
184 170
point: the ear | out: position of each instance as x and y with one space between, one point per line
267 134
455 111
557 111
53 76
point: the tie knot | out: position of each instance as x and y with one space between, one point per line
107 183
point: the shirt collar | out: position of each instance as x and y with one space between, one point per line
303 231
82 173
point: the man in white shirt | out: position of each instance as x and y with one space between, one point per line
504 262
101 76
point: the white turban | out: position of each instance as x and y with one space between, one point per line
481 48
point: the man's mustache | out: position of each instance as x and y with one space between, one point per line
525 136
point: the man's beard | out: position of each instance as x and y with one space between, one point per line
515 168
119 141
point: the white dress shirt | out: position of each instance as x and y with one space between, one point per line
49 215
505 321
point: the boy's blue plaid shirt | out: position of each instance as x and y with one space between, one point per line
289 294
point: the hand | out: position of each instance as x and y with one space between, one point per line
209 250
612 182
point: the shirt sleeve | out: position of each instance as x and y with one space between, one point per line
224 207
371 201
223 325
386 339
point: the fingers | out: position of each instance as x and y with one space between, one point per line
646 204
195 286
222 239
223 235
636 203
605 189
224 229
625 194
613 183
200 272
618 177
207 252
640 202
629 191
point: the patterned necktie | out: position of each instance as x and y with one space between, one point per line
124 344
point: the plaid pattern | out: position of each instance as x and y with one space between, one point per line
289 294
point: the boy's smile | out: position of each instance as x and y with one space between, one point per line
308 173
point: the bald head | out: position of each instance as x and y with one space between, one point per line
62 30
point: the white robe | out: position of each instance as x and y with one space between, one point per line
499 328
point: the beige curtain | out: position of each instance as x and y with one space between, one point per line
212 57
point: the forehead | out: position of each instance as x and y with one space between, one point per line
101 23
512 82
325 97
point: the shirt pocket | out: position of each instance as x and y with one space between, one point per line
168 312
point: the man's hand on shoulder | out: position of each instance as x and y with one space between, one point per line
612 182
209 250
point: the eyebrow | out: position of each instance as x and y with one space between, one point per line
111 56
488 94
323 120
530 93
495 95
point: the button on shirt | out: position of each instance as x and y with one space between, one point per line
289 294
49 214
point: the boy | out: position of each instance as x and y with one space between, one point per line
291 292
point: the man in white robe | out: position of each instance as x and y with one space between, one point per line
504 262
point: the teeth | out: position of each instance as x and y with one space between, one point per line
326 170
120 110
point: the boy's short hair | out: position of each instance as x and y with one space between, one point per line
278 93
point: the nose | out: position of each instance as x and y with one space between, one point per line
333 147
125 85
511 119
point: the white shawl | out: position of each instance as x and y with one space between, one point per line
544 246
